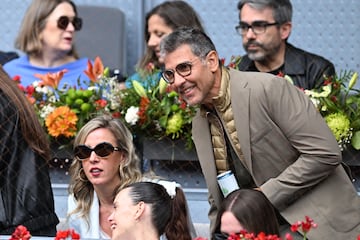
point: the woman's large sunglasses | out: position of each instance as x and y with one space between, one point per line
104 149
64 21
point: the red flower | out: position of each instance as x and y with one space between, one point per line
16 78
116 114
74 235
222 60
100 104
305 226
62 235
280 74
30 90
20 233
288 236
336 85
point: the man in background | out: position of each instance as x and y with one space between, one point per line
265 26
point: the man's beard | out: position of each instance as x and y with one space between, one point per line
264 52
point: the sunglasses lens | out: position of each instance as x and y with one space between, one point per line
63 22
82 152
103 149
77 22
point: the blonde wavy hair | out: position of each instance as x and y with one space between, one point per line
129 170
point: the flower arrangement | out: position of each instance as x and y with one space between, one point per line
151 108
63 111
21 233
339 103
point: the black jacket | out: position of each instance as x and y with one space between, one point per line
26 195
307 70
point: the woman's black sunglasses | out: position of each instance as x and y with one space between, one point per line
64 21
104 149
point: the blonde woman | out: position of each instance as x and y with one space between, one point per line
104 161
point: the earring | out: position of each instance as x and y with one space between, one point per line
82 179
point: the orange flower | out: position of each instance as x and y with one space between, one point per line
144 103
61 122
95 71
51 79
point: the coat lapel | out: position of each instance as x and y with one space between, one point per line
241 117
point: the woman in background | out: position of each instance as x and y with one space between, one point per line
246 209
147 210
47 38
159 22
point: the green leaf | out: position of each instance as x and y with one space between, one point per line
355 124
355 140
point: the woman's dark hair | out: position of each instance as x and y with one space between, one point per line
31 128
253 211
175 14
169 215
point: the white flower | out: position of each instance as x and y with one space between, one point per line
46 110
36 83
95 88
315 101
326 90
131 115
52 99
44 90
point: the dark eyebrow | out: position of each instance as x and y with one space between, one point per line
254 22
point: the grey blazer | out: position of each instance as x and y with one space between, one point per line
290 152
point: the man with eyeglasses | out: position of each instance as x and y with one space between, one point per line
267 133
265 26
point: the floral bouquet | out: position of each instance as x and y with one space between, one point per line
63 111
151 108
339 103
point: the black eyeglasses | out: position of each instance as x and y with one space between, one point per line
104 149
183 69
258 27
64 21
